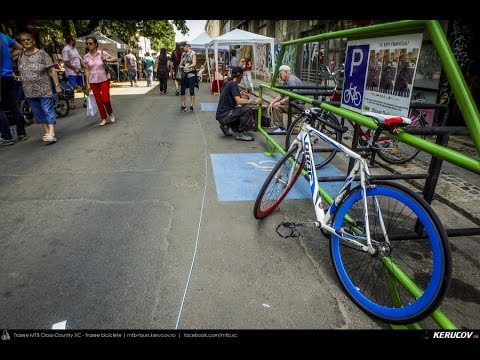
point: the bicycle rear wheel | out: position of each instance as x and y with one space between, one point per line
394 151
323 152
418 247
279 182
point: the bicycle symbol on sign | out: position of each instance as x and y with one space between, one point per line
352 95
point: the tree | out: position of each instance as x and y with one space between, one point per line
50 34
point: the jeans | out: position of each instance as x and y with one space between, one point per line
132 75
239 119
9 103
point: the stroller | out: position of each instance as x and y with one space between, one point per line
60 103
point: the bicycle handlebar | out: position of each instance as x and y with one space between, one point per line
316 112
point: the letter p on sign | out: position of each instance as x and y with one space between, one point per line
357 58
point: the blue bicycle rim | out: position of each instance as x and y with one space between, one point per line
438 258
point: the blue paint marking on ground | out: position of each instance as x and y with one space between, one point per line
209 106
239 177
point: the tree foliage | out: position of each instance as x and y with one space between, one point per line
50 34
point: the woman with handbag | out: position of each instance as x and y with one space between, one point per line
97 80
188 66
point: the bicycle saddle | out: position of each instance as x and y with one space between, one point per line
388 119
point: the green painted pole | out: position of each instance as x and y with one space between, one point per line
452 156
467 106
414 290
392 28
456 80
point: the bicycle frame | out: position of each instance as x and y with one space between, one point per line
360 165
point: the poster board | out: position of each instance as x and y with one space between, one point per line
379 74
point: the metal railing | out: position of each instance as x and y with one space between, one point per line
457 82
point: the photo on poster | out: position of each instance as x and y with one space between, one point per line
379 74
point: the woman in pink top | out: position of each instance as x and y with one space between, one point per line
96 78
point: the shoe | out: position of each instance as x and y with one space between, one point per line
112 118
103 123
226 130
50 139
191 108
244 137
6 142
136 85
183 108
22 137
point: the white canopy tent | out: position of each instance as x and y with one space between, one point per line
200 42
240 37
112 46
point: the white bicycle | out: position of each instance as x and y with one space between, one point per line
389 250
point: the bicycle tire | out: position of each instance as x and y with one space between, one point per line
279 182
318 146
26 111
427 261
62 107
396 152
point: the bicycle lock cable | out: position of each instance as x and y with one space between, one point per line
199 224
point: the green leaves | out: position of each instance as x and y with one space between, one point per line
51 33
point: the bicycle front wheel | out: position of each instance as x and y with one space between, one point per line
323 152
279 182
417 249
394 151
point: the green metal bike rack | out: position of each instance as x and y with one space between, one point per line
465 102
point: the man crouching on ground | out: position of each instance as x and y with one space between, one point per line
232 112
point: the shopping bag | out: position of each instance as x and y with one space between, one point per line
92 108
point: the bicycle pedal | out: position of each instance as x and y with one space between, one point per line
288 230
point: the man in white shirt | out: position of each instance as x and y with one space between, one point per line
131 65
73 66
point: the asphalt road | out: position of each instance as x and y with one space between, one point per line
120 227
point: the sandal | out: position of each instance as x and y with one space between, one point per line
49 138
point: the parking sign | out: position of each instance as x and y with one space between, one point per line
355 74
379 74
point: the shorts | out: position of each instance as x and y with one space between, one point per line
75 80
43 110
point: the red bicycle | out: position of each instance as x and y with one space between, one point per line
388 149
